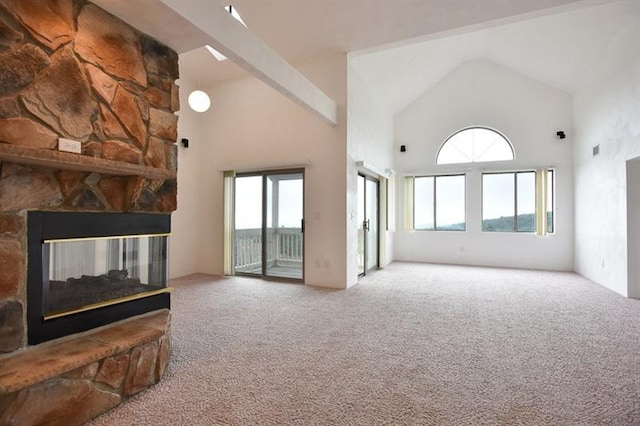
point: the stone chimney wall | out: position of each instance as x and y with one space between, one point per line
69 69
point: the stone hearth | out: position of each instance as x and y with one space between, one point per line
68 69
72 380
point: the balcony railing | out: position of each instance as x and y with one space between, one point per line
284 249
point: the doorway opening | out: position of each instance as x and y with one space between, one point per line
368 224
268 226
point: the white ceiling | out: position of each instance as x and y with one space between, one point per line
301 30
561 42
565 50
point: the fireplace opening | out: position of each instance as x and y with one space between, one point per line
90 269
86 273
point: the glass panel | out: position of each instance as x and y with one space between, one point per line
450 203
360 220
498 202
423 216
476 144
91 271
526 182
550 207
372 217
248 225
284 225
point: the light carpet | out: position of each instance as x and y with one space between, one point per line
411 344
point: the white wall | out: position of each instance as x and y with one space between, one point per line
607 113
186 221
250 126
529 113
369 139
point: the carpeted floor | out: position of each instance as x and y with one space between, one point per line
411 344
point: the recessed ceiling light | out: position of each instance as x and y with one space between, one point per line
234 12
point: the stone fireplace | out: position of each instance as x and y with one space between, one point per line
87 270
84 319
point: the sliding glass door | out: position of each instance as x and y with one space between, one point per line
268 231
368 240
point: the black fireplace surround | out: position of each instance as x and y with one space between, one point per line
43 225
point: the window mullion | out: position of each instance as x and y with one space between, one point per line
515 201
435 223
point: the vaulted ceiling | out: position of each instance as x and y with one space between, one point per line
406 46
565 50
301 30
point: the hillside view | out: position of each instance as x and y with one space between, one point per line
526 223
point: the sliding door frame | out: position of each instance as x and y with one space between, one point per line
264 174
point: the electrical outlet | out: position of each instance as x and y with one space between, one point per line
68 145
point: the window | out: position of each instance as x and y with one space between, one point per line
474 145
439 203
515 202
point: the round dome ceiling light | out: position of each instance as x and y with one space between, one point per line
199 101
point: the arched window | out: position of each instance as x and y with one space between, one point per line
474 145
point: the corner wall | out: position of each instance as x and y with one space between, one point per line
250 126
607 114
185 233
528 112
369 139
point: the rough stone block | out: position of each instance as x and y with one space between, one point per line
166 197
126 108
11 225
18 67
102 84
159 59
12 274
24 132
9 107
113 370
154 184
49 22
11 326
87 199
8 36
135 184
142 368
33 190
70 181
121 151
87 372
172 157
92 149
110 125
164 353
158 97
61 97
147 201
109 43
11 169
114 190
61 402
156 153
163 124
175 98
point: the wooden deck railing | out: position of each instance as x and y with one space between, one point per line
284 246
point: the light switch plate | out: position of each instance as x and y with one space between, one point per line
69 145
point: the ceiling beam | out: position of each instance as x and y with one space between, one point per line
224 33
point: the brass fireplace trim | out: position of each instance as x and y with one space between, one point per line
108 303
110 237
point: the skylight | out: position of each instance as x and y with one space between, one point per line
234 12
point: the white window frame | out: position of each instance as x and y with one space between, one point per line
411 188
